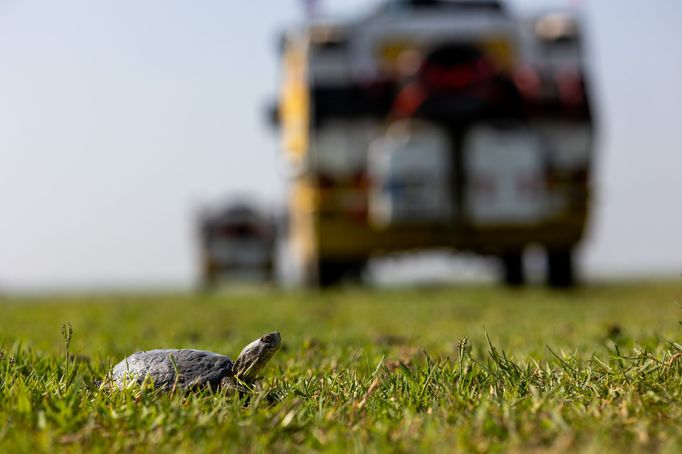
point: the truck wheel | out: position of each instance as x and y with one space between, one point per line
560 272
513 273
328 273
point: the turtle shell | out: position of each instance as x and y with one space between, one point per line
168 367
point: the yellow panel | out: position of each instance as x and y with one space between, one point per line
295 103
501 52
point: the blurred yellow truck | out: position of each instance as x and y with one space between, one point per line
439 124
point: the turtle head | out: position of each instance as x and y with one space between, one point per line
255 356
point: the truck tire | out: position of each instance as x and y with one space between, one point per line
560 271
328 273
513 272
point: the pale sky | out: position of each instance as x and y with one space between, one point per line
119 118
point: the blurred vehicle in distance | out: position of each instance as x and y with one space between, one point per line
237 245
431 124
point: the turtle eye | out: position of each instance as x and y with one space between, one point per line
267 339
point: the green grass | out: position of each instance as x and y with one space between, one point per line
593 370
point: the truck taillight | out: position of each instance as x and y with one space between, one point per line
408 100
457 76
528 81
570 87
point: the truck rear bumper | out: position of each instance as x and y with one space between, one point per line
339 238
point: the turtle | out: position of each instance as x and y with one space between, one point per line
187 368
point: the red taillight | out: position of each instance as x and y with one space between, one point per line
570 86
408 100
528 81
457 76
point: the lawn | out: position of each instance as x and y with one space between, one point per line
470 369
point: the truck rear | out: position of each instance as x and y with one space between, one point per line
439 124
